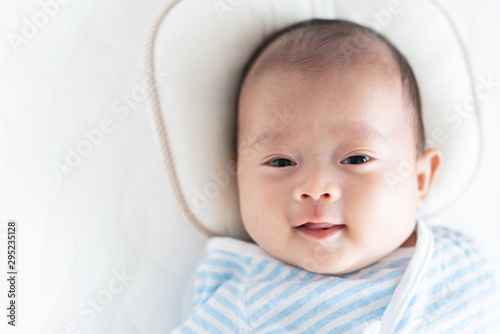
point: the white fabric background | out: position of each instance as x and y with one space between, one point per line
114 212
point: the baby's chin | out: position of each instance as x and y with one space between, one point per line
339 258
333 270
332 266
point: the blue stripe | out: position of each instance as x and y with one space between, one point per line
457 293
464 308
439 287
439 231
233 290
370 315
270 287
456 276
448 238
242 258
445 281
226 303
372 271
469 319
225 264
445 248
442 232
375 314
203 323
463 238
222 318
217 276
401 263
262 265
211 289
328 302
442 266
441 259
321 278
203 293
284 295
308 276
206 288
299 303
276 271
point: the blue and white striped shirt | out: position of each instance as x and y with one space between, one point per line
445 284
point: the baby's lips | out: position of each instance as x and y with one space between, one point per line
317 226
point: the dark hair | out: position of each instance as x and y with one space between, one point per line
317 44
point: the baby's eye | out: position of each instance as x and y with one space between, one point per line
356 160
281 163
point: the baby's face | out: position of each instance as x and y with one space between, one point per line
333 148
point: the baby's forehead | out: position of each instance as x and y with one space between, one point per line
292 100
294 51
312 51
371 76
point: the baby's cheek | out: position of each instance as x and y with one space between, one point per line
399 175
371 201
367 188
260 208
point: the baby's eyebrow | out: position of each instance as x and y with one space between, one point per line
363 131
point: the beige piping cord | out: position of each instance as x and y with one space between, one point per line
160 130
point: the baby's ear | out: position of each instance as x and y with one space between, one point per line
428 165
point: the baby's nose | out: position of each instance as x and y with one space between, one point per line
316 188
326 196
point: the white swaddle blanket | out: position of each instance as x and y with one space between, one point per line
443 284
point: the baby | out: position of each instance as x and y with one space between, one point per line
327 112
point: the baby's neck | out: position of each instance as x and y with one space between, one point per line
411 241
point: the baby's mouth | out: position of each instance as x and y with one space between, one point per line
317 226
320 230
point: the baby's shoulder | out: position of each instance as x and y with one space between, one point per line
460 276
451 238
457 247
222 271
232 257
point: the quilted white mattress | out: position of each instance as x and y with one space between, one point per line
101 246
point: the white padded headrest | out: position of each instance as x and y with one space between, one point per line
203 46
